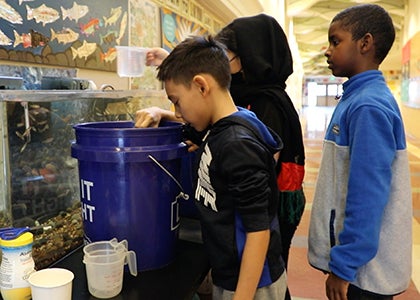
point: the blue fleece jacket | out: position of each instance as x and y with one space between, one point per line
360 226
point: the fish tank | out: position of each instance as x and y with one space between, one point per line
39 178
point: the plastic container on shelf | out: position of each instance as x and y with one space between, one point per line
16 266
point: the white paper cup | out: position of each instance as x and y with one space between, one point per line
52 283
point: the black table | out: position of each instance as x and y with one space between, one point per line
177 281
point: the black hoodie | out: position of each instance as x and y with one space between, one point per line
236 193
266 64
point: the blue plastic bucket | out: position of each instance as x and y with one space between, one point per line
125 192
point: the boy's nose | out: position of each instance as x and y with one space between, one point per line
327 53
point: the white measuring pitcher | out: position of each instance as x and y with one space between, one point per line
105 262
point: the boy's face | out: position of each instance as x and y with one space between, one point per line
189 104
234 62
343 52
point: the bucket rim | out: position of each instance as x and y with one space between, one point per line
90 126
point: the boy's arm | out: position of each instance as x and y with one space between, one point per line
253 259
372 152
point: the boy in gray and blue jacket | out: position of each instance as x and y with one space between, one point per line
361 222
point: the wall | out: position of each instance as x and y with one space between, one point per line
227 10
222 12
142 30
101 78
412 26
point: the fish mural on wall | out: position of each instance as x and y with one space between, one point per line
123 27
42 14
115 15
76 33
90 27
65 36
21 1
4 39
109 37
110 55
83 51
31 39
9 13
75 13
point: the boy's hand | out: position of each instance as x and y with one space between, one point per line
191 146
148 117
336 288
155 56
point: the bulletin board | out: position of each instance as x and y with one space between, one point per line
145 32
176 28
152 26
80 33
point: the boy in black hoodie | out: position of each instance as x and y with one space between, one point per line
236 191
260 63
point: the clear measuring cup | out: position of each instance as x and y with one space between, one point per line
105 262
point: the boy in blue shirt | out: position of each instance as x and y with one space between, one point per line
361 223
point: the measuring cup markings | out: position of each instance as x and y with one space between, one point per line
105 262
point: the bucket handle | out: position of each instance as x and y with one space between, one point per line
182 193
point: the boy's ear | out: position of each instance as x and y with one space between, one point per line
366 42
201 83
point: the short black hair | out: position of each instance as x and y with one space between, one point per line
369 18
195 55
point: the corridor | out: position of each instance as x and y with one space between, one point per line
306 283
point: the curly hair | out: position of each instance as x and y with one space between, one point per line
369 18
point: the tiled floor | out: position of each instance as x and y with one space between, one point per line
306 283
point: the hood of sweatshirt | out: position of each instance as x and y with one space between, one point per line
249 120
264 50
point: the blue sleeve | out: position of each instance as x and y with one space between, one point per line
372 148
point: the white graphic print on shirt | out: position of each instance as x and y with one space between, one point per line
204 189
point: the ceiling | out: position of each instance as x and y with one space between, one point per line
311 19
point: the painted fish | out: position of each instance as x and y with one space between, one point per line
90 27
42 14
123 26
109 56
109 37
9 13
115 15
64 36
21 1
75 13
83 51
32 39
4 39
